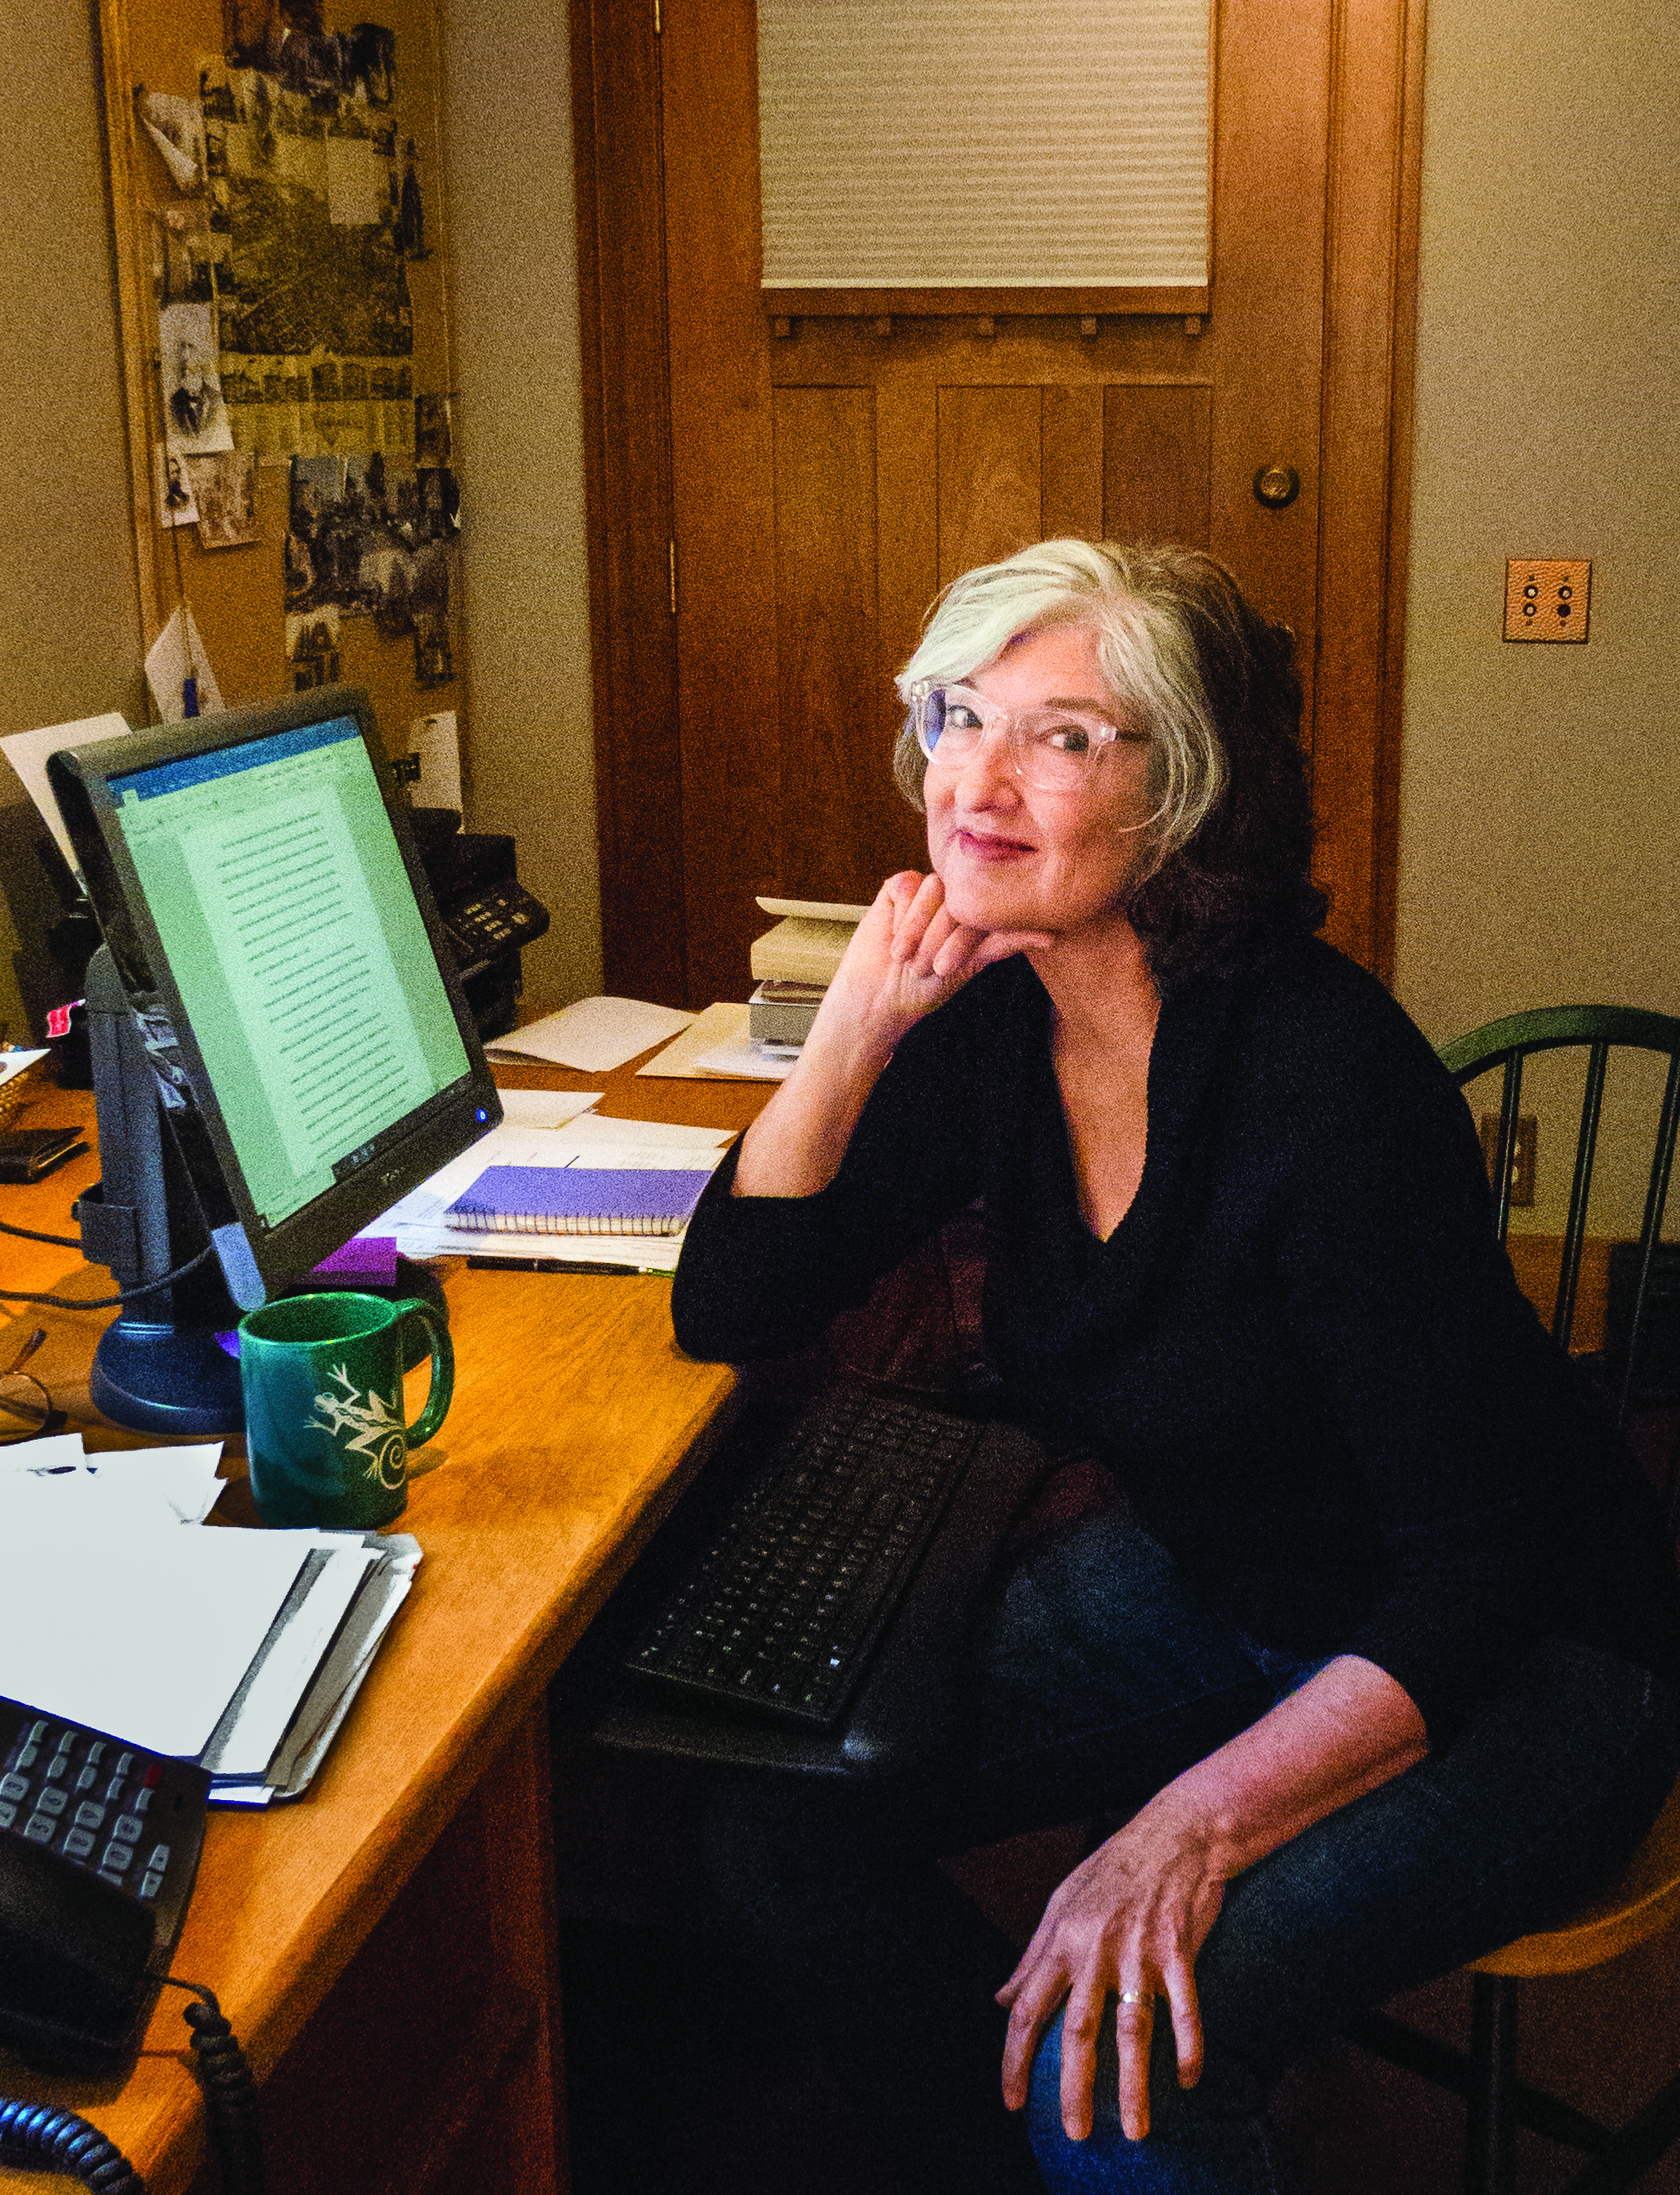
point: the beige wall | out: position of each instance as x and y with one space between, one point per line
1540 785
507 135
69 623
1539 814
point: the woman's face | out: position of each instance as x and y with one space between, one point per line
1011 856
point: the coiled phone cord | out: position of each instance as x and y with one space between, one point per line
41 2135
229 2092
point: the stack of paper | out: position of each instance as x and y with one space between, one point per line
421 1227
239 1649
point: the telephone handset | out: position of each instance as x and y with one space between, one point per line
99 1845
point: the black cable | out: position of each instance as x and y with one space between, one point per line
60 1241
44 2137
229 2092
104 1303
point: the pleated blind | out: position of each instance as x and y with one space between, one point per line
984 143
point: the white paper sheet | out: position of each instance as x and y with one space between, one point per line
544 1108
593 1036
145 1635
13 1063
166 666
27 752
745 1060
721 1023
167 1485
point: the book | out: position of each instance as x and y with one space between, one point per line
783 1012
800 951
580 1200
808 944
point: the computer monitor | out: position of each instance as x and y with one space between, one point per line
291 988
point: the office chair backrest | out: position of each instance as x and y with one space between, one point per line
1508 1044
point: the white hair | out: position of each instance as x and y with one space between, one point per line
1139 603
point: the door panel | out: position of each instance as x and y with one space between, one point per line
1156 459
990 494
826 482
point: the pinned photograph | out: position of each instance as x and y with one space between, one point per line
176 126
196 417
312 649
224 488
172 489
431 430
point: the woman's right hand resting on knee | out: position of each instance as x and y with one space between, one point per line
1129 1921
906 956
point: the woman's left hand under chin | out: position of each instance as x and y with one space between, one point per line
1126 1925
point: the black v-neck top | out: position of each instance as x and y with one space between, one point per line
1302 1347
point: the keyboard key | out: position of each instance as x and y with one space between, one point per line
28 1757
118 1857
37 1731
77 1844
88 1778
105 1875
141 1801
151 1884
67 1741
158 1856
96 1752
8 1814
125 1764
57 1767
113 1791
41 1828
88 1816
53 1802
127 1827
14 1787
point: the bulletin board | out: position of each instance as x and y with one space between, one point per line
283 290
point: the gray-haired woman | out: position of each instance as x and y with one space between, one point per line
1382 1664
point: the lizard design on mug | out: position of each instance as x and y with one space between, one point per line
379 1432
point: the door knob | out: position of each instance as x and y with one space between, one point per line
1276 486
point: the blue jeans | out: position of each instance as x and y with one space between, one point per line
1096 1678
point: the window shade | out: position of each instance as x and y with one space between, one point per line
983 144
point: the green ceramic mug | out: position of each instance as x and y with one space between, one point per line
323 1383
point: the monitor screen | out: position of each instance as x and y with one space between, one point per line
254 883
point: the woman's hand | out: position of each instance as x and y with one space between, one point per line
1127 1923
1131 1920
906 956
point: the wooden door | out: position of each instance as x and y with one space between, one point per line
821 478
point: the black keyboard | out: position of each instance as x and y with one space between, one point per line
785 1598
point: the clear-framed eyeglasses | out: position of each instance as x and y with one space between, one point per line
26 1408
1056 750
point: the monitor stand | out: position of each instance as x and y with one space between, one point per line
160 1366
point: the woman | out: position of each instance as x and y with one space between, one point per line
1381 1666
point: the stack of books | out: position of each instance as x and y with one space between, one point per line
793 965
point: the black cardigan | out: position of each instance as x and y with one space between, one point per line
1302 1347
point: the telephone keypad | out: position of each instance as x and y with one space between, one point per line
90 1800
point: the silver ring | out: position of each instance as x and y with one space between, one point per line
1137 1996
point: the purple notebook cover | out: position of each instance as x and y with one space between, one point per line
567 1199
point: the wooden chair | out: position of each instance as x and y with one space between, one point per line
1646 1898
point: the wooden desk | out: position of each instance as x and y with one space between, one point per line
384 1948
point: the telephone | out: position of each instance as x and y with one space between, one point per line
99 1845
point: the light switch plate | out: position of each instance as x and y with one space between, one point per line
1547 599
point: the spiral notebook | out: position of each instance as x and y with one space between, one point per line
579 1200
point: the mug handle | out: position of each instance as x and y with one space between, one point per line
442 1369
